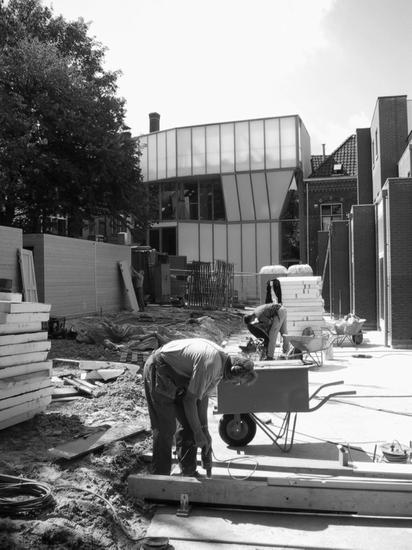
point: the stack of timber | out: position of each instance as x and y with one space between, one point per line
302 297
25 373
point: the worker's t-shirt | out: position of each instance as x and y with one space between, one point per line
196 359
266 313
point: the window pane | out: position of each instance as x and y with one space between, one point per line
143 156
154 190
278 185
231 198
189 201
228 147
260 195
272 143
257 145
212 149
198 143
218 202
242 146
206 200
152 154
245 197
161 155
168 200
171 153
184 152
288 141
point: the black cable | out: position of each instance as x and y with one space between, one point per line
19 496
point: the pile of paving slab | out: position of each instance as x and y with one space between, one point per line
25 372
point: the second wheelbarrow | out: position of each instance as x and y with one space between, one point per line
278 389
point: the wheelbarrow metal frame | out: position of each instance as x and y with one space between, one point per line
283 438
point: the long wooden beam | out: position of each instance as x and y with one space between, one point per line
332 494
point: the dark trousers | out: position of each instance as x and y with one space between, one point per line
168 420
258 331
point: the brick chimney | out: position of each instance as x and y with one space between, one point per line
154 119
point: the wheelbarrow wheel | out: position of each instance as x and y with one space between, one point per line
357 339
237 433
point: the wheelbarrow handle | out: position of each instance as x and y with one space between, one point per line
325 386
327 397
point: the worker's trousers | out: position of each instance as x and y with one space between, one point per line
279 324
168 420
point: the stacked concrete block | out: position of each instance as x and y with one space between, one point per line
25 373
302 297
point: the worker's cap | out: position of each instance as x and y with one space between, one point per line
243 369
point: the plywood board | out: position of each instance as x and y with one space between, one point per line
127 279
206 529
6 404
25 369
366 497
24 307
21 327
35 405
28 275
19 318
28 347
8 339
21 413
23 358
10 296
83 445
24 383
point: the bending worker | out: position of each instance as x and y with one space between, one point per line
266 321
178 379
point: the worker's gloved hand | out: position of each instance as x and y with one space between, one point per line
201 440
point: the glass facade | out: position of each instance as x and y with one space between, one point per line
224 192
262 144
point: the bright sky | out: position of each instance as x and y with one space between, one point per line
203 61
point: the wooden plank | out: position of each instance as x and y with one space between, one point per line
127 279
24 383
35 404
23 338
25 369
21 413
11 296
19 318
375 498
96 440
28 275
211 529
21 327
28 347
6 404
89 365
23 358
24 307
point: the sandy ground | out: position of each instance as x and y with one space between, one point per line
79 518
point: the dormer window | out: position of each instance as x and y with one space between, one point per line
337 168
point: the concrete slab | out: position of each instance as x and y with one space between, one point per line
251 529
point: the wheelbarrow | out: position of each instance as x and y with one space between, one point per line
278 389
311 347
350 330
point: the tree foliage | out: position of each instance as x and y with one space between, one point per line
64 145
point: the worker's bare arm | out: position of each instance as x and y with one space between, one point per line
190 404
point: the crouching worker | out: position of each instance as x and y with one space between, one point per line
178 379
266 321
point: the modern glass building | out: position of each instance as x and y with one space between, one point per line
228 191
